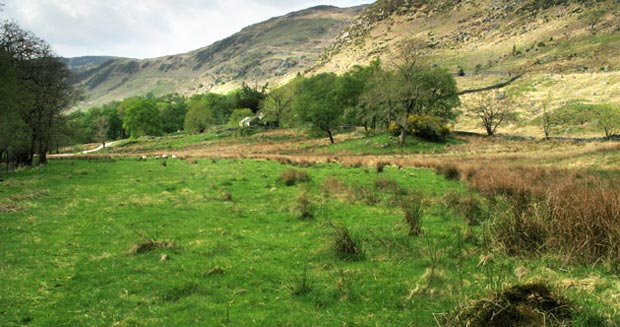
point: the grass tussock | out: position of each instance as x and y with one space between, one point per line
346 246
291 177
150 245
528 305
413 212
472 207
388 185
332 186
304 207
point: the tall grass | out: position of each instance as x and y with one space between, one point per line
572 213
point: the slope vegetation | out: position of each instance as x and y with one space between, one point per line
565 50
270 51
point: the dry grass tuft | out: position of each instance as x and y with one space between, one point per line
519 306
576 214
292 176
150 245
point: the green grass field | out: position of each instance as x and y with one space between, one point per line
222 243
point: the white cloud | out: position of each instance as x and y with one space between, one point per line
144 28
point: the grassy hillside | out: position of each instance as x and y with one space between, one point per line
270 51
566 51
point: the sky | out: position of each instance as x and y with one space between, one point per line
144 28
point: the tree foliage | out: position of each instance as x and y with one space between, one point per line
319 103
142 119
411 89
35 91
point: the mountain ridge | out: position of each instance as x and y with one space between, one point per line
272 51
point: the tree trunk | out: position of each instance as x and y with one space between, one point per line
331 137
402 137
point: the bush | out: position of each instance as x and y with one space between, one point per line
428 127
291 177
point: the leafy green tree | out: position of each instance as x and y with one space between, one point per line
121 110
277 105
142 119
319 103
248 97
354 83
411 89
609 119
199 115
173 108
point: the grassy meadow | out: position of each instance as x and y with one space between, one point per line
108 240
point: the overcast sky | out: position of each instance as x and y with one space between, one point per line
144 28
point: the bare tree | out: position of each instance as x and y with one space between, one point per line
101 125
493 109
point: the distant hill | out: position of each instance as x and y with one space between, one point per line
271 51
87 62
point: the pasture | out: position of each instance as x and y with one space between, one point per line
117 241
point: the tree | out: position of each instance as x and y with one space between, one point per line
319 103
277 103
354 83
492 109
40 94
173 109
142 119
411 89
248 97
101 125
609 119
199 115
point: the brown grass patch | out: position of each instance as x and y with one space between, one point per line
576 214
291 177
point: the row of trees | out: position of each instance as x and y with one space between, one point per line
155 116
405 97
34 93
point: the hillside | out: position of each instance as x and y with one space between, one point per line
566 50
266 52
78 64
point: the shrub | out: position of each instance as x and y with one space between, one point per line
302 285
292 176
471 206
345 246
428 127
